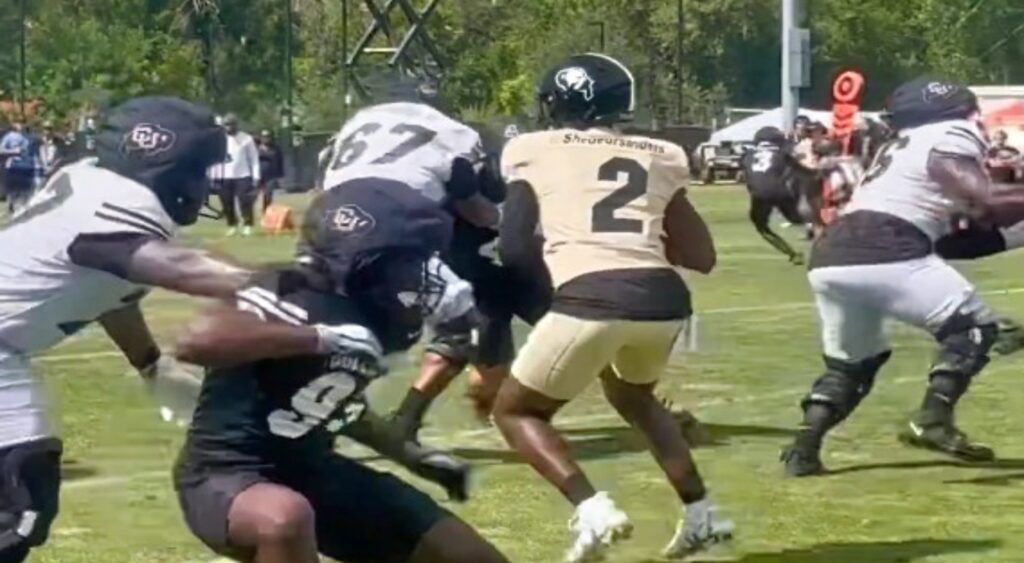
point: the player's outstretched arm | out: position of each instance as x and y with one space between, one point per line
184 270
965 178
688 236
224 337
128 329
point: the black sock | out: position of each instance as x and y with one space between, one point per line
818 420
944 390
414 406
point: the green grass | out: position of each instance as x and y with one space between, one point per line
885 503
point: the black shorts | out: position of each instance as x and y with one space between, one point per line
500 296
19 181
788 206
29 495
362 515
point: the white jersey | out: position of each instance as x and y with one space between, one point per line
44 296
898 182
409 143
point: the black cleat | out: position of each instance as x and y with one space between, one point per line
945 437
1010 338
801 463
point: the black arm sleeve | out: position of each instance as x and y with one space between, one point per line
109 252
971 243
519 243
463 183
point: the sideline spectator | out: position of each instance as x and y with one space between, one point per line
51 150
271 167
237 177
1004 161
19 153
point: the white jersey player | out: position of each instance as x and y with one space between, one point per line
878 261
415 145
86 249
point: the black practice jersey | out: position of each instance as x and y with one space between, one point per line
765 170
258 414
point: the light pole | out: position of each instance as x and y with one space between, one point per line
21 60
344 60
289 94
679 62
790 93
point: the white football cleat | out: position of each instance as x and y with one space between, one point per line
231 232
598 524
700 529
246 231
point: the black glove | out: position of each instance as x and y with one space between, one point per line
445 469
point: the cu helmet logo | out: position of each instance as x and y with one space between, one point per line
575 79
353 220
148 140
938 90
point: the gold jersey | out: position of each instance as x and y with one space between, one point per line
602 196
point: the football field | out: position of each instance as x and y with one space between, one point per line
756 353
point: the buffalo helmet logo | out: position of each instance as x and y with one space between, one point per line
148 140
938 90
575 79
352 219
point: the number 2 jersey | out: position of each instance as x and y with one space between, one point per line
410 143
898 211
601 198
264 413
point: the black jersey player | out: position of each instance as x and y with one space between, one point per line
258 478
767 169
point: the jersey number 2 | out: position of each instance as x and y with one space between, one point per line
603 219
353 146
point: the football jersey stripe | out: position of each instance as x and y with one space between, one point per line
268 307
134 224
291 308
138 216
966 133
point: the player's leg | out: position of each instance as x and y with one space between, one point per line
29 496
855 349
247 203
226 193
445 358
932 295
629 387
268 193
245 517
363 515
561 357
760 216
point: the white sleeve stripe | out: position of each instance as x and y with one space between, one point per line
965 133
267 307
134 224
293 309
114 209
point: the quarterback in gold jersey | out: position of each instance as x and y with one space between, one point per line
597 208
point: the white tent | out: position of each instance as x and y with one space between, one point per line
744 129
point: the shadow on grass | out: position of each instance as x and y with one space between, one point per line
929 464
1003 480
610 441
870 552
72 470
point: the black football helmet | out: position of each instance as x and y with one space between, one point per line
587 89
165 144
929 100
771 135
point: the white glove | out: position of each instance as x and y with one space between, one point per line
347 338
175 386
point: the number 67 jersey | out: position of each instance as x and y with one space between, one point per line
410 143
602 197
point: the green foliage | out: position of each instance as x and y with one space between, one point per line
232 54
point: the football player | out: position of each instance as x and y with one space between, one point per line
500 293
87 248
419 146
603 202
878 261
767 171
258 477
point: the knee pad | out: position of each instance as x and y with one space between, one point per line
845 384
964 345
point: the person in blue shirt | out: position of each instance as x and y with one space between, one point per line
18 152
